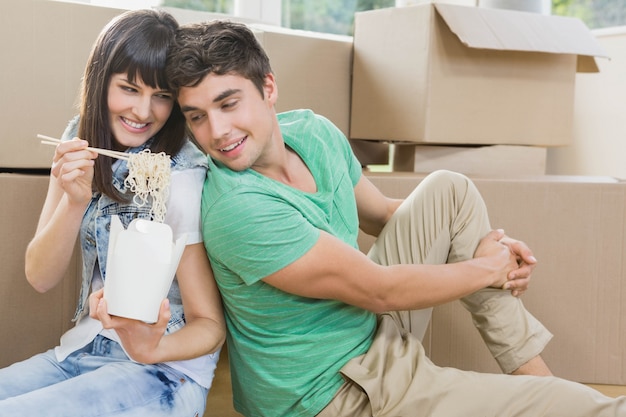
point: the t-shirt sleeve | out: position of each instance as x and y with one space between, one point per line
253 234
183 204
354 166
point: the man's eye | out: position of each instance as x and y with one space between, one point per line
229 104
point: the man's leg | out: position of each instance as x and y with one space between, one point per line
395 378
442 221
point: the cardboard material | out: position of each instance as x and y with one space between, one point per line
44 45
449 74
32 322
371 153
576 227
313 71
494 160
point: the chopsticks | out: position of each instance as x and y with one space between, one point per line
47 140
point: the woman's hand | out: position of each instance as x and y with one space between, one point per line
140 340
72 166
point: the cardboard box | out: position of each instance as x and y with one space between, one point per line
449 74
313 71
490 160
44 45
32 322
371 153
576 227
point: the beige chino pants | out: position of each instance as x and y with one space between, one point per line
442 221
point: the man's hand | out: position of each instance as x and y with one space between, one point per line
519 279
512 261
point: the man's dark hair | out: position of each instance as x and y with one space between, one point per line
216 47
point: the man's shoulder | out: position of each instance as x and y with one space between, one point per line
221 182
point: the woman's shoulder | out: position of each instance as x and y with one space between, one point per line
189 156
71 130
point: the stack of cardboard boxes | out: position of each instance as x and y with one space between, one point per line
478 90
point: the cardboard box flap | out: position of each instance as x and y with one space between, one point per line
499 29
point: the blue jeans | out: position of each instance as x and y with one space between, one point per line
98 380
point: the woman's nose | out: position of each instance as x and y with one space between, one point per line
142 107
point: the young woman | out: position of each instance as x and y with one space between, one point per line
107 365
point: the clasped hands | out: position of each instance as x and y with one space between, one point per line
512 261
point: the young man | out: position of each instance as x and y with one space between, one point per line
315 326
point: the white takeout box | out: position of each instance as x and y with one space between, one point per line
141 265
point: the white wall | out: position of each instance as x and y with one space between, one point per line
599 145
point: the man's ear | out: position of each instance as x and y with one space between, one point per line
270 89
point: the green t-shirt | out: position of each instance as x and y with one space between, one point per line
285 351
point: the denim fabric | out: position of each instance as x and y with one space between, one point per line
98 380
94 233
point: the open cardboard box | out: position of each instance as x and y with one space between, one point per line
449 74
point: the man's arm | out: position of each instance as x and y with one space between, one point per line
375 209
333 269
373 206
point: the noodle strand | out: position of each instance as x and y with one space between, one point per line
149 176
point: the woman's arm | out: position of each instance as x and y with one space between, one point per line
69 191
204 331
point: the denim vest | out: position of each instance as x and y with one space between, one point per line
96 223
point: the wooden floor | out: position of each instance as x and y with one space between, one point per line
610 390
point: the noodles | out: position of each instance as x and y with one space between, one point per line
149 176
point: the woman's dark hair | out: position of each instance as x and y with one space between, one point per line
135 43
218 47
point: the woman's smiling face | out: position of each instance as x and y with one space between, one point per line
136 111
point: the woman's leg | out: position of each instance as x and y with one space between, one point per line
104 382
31 374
